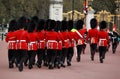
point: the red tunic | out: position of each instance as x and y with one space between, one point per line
32 41
60 41
66 39
22 39
103 38
80 40
71 35
11 39
41 40
93 36
52 39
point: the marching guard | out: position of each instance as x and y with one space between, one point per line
11 39
92 36
103 40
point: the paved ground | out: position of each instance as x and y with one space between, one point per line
86 69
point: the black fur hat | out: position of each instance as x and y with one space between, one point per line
40 25
103 25
22 22
52 25
12 25
58 26
93 23
31 26
35 19
70 25
47 24
79 24
64 25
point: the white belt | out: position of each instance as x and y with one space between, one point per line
102 39
21 40
11 41
33 42
66 40
52 41
60 41
41 40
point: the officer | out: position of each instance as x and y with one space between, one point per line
79 37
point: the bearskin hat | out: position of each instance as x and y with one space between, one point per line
52 25
64 25
40 25
47 24
70 25
93 23
35 19
22 22
103 24
13 25
79 24
31 26
58 26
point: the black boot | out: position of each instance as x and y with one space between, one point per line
101 60
68 64
92 58
62 65
78 59
38 65
11 64
30 66
20 67
50 67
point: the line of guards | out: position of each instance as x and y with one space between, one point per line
52 42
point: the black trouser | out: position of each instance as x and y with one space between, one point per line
21 55
114 46
31 56
40 55
84 46
93 48
11 56
64 55
26 59
70 54
51 56
58 57
79 51
102 51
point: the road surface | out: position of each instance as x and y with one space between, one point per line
86 69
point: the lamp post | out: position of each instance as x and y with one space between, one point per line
117 13
73 10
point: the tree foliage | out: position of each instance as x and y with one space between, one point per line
15 8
